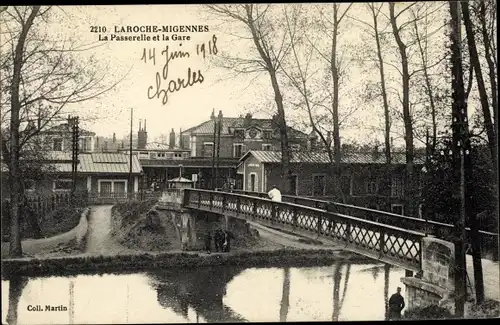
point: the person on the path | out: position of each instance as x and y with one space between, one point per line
274 194
396 305
208 242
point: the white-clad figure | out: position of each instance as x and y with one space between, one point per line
274 194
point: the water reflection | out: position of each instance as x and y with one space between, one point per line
285 296
202 289
16 286
341 292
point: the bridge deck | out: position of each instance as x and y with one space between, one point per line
386 243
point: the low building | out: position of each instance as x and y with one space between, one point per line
104 175
366 180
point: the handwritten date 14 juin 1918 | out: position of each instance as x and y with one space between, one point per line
159 91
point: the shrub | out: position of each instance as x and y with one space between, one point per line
429 312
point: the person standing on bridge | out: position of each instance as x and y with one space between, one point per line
396 305
274 194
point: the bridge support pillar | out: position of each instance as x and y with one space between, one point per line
436 285
187 231
185 223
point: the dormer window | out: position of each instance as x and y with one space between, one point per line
57 144
239 134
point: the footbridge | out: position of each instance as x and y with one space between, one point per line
444 231
388 243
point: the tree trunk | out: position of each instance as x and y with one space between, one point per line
408 124
15 249
387 135
476 246
491 64
474 58
428 86
335 107
271 69
387 119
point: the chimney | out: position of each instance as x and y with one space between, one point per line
311 141
142 137
123 145
171 142
180 139
248 119
97 144
376 152
105 145
114 138
139 125
329 139
212 116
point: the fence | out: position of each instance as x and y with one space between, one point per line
113 198
489 240
391 244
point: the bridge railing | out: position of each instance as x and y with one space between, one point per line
488 240
389 243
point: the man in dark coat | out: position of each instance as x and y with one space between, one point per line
396 305
208 242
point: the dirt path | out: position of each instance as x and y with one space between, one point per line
99 239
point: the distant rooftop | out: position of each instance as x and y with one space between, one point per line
228 123
322 157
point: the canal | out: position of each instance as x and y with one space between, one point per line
340 292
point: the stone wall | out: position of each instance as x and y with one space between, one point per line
437 280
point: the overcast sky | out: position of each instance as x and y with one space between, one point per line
192 105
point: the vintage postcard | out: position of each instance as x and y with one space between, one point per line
249 162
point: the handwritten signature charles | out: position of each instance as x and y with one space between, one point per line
173 85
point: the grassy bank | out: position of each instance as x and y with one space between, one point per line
56 222
488 309
133 228
107 264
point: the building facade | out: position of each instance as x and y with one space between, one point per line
365 178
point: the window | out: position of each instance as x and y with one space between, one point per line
294 184
237 150
208 148
371 187
295 147
116 188
152 155
319 185
267 134
178 155
161 155
397 209
345 183
57 144
239 134
267 147
396 186
62 185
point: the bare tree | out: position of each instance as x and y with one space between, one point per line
474 57
40 76
262 27
305 76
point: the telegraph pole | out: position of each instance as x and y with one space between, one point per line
460 151
130 185
73 123
219 126
213 151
